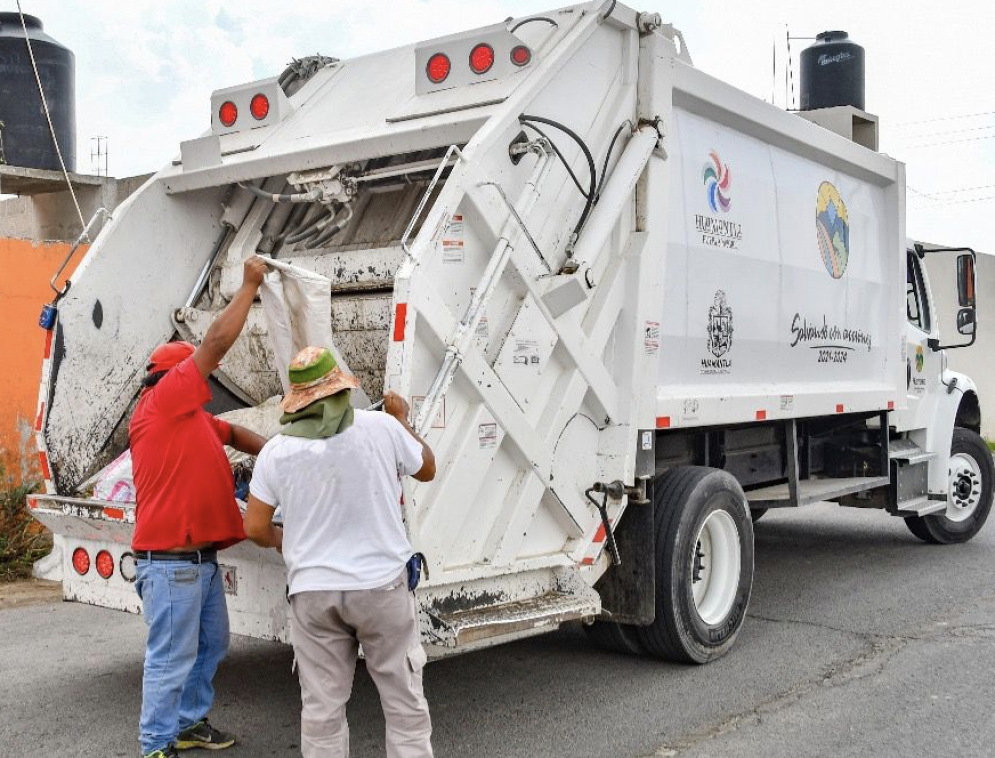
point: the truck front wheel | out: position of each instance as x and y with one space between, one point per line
704 539
969 494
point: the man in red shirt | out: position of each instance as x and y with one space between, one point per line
186 512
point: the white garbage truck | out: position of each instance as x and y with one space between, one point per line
633 306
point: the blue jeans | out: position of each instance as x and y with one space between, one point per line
184 606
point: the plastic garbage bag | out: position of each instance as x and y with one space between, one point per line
116 483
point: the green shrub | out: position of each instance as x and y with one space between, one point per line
22 539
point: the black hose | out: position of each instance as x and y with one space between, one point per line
609 11
556 150
293 224
592 192
608 155
322 238
525 21
314 228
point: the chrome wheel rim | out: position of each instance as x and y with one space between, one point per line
964 492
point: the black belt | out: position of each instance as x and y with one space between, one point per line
195 556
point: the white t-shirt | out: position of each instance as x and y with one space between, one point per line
342 527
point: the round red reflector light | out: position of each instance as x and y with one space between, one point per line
81 561
438 68
520 55
481 58
259 106
227 113
105 564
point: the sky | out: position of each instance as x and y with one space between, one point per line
145 71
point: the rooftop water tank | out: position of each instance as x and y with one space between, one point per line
25 137
832 72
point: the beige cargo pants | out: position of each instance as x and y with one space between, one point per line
327 629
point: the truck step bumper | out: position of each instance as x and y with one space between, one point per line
515 619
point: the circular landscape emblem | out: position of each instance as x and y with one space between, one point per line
832 226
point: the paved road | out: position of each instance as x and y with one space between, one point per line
860 641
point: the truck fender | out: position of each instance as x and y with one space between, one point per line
957 404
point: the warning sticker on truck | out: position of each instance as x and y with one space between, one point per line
651 338
229 579
452 241
487 435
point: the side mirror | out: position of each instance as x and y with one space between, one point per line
965 284
965 321
953 272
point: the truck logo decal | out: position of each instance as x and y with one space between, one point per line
716 177
832 226
719 336
920 358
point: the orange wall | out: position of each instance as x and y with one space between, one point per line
25 270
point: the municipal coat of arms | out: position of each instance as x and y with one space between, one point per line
719 326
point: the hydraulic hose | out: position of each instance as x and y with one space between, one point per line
591 194
299 197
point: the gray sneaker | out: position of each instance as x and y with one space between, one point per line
203 735
168 752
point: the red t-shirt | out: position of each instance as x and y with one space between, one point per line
183 481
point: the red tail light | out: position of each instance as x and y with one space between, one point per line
81 561
520 55
105 564
438 68
259 107
481 58
227 113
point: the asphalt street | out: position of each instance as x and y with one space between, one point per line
860 641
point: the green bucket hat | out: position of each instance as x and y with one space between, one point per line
315 374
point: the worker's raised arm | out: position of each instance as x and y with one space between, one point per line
245 440
221 335
397 407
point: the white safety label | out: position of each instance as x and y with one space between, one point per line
487 435
651 338
452 242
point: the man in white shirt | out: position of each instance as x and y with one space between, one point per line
336 472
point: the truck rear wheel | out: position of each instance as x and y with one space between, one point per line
704 539
969 498
614 637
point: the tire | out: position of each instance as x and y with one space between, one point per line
704 539
756 514
972 479
614 637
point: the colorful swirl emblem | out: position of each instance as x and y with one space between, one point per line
920 359
832 226
716 178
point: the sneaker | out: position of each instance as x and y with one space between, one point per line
202 734
169 752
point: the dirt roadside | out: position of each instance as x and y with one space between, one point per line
29 592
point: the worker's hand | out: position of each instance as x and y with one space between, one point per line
253 272
396 406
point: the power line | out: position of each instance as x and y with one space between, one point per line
987 198
944 118
927 135
951 142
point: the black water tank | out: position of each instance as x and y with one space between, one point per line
26 138
832 72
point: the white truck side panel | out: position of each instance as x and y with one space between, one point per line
781 282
